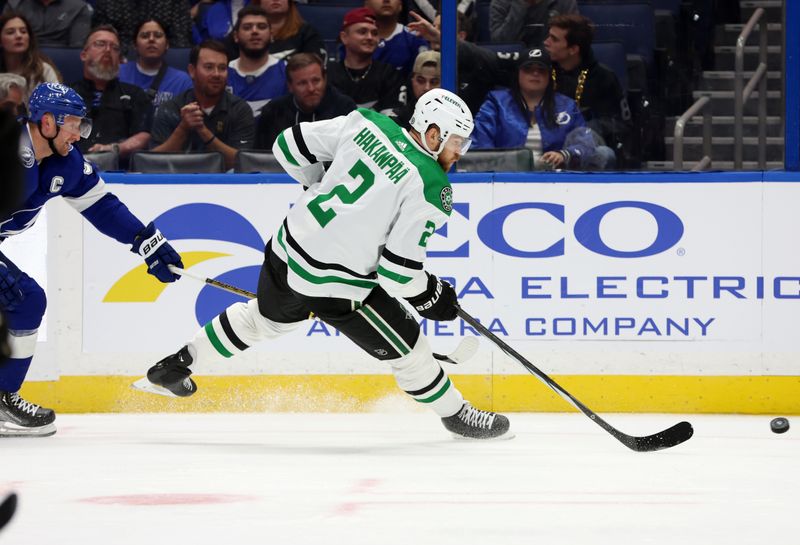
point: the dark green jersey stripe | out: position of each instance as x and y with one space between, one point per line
399 278
285 149
309 277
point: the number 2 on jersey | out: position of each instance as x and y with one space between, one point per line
323 215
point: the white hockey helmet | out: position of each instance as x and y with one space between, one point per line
447 111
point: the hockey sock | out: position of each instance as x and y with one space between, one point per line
233 331
14 370
421 377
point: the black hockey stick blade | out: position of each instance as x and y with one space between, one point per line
670 437
677 434
7 509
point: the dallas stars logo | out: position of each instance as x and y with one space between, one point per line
447 198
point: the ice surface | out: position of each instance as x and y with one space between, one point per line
398 478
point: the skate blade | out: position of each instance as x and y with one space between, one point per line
505 437
145 385
8 429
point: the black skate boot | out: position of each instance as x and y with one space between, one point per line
19 418
472 423
170 376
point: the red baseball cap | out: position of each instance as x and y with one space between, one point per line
358 15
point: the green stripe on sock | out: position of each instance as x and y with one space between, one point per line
438 394
212 336
393 338
285 149
399 278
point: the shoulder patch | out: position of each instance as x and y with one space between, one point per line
447 198
26 156
87 167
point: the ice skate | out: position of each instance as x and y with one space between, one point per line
170 376
20 418
472 423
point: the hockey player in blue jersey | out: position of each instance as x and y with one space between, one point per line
54 168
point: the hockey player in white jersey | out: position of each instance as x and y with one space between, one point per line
354 241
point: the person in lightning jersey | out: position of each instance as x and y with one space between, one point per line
351 246
53 167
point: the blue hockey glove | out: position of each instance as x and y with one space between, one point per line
11 294
157 253
438 302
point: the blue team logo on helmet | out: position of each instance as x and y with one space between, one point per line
57 99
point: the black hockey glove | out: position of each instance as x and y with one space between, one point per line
11 294
438 302
157 253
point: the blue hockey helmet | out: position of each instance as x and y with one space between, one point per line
60 101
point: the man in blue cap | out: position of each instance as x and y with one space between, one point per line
53 167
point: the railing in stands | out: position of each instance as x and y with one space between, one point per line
680 125
743 92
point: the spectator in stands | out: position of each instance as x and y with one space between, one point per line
206 117
479 69
290 34
397 45
149 71
255 76
127 15
20 54
426 75
12 94
532 115
515 21
56 23
370 83
309 99
121 113
594 87
214 18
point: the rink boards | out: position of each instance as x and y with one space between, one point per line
653 292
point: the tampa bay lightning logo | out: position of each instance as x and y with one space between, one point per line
221 224
26 156
563 118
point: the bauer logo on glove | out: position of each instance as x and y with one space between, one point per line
157 253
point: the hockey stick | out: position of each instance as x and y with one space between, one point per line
7 509
464 351
670 437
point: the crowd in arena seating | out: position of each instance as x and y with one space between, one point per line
229 75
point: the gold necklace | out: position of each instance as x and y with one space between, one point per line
578 89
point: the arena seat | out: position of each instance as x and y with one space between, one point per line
326 18
496 160
68 61
256 161
204 162
612 54
632 23
105 160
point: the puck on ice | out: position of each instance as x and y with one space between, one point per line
779 425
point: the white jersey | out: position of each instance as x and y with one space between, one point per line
366 221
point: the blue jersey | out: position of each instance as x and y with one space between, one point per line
261 86
400 49
76 180
174 83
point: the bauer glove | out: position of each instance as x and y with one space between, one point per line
157 253
438 302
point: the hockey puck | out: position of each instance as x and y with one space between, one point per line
779 425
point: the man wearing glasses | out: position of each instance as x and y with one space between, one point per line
121 113
53 167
